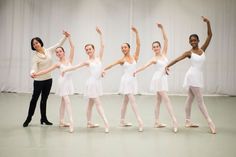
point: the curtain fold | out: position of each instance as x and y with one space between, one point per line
21 20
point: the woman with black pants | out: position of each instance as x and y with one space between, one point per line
42 59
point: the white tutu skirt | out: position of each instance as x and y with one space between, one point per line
65 86
193 77
93 88
128 85
159 82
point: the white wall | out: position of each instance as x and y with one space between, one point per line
21 20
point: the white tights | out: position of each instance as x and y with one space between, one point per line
162 96
195 92
65 107
130 98
99 107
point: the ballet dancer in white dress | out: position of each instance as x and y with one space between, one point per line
93 89
128 84
159 83
194 76
65 85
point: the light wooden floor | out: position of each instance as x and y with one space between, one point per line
44 141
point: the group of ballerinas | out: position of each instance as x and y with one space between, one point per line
128 85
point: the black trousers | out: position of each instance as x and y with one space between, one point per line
43 88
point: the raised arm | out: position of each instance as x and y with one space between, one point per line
60 43
183 56
72 50
145 66
165 46
54 66
137 50
101 51
209 34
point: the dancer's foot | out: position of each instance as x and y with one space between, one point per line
175 126
26 123
91 125
159 125
212 127
106 129
71 128
125 124
189 124
140 128
46 122
62 124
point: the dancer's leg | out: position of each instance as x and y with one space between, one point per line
101 113
188 108
170 110
134 107
202 107
158 124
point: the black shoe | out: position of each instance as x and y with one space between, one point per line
46 122
27 121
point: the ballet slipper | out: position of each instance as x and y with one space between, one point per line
140 128
159 125
212 127
62 124
125 124
106 130
175 126
189 124
91 125
71 128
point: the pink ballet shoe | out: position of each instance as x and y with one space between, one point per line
212 127
175 126
62 124
189 124
125 124
71 129
91 125
140 128
175 130
107 130
159 125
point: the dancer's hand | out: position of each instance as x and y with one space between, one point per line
33 75
98 30
134 29
62 73
67 34
205 19
134 74
103 73
167 70
159 25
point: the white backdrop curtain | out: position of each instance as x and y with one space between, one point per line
21 20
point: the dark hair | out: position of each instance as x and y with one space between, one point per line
127 44
194 35
156 42
89 45
61 48
38 40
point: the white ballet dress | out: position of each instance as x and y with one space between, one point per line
128 83
65 83
159 79
93 87
194 75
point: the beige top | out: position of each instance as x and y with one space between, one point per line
41 61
